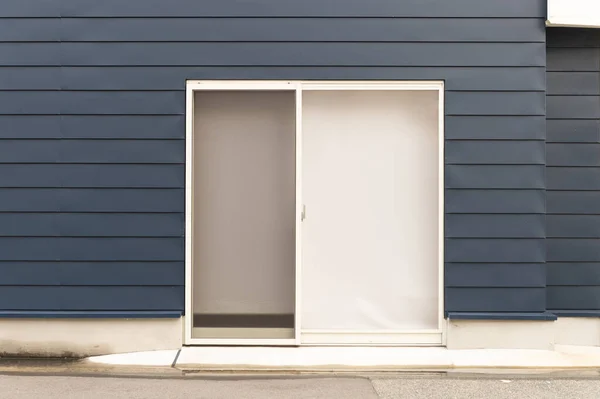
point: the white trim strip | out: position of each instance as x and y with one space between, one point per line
242 342
441 211
379 85
189 167
241 85
299 212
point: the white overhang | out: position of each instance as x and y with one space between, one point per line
574 13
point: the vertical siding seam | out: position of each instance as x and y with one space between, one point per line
545 265
60 143
61 191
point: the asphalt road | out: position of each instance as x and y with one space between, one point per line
388 387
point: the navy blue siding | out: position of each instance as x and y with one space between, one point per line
30 8
58 273
495 226
288 29
296 54
30 78
92 118
523 177
573 149
509 275
457 78
494 300
506 201
308 8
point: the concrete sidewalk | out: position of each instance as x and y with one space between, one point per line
368 359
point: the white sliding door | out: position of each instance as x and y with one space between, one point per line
370 267
314 213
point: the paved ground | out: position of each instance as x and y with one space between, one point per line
484 388
13 387
387 387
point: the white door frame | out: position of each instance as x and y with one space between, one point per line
194 86
434 337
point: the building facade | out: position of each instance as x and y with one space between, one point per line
211 172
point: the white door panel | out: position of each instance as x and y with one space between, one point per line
370 187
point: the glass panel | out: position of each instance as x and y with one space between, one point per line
244 214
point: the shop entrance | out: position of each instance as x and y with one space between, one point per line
314 212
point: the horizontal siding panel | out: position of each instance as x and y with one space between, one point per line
29 248
494 127
128 176
569 37
120 225
495 226
304 54
574 202
299 30
574 274
495 299
75 176
173 78
90 249
574 226
30 8
91 225
462 250
30 102
573 131
122 151
30 127
121 200
29 151
30 29
495 274
573 250
123 102
31 176
29 225
30 78
29 200
498 103
93 273
495 152
91 200
574 107
32 54
123 126
310 8
576 298
495 176
495 201
121 249
573 178
91 298
573 60
573 83
563 154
